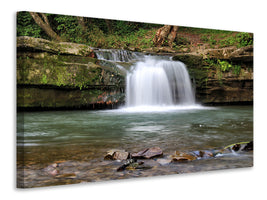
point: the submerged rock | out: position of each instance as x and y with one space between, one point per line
164 161
115 154
148 153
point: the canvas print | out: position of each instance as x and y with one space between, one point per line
101 99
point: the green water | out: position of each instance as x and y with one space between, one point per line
79 139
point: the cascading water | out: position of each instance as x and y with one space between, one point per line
115 55
152 80
159 83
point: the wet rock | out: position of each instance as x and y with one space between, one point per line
241 146
133 164
236 147
182 156
248 147
203 154
52 169
115 154
148 153
126 164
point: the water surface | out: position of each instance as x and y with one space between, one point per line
80 139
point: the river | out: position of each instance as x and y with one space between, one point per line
79 140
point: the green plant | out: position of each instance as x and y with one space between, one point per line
224 65
244 39
27 27
44 79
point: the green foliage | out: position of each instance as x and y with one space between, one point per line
44 79
224 65
244 39
27 27
103 33
68 28
241 39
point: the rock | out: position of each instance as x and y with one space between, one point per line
126 164
52 169
39 44
242 54
115 154
203 154
241 146
182 156
148 153
164 161
120 155
132 164
222 53
248 147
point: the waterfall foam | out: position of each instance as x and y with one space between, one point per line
159 83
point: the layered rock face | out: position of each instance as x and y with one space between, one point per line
52 75
221 76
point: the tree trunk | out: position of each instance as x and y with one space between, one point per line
82 23
109 25
44 24
172 35
166 32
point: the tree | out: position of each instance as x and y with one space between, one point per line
166 32
42 20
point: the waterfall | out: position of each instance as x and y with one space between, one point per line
159 83
152 80
116 55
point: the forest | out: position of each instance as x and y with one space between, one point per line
118 34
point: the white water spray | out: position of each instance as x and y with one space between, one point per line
159 83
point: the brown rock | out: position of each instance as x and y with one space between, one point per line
115 154
148 153
181 156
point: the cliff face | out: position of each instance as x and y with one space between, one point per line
54 75
221 76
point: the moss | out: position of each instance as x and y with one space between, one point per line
191 61
68 71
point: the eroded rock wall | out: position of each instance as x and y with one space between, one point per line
221 76
50 79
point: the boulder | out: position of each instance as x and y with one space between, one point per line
41 45
148 153
115 154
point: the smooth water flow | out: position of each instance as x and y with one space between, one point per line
152 81
159 83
